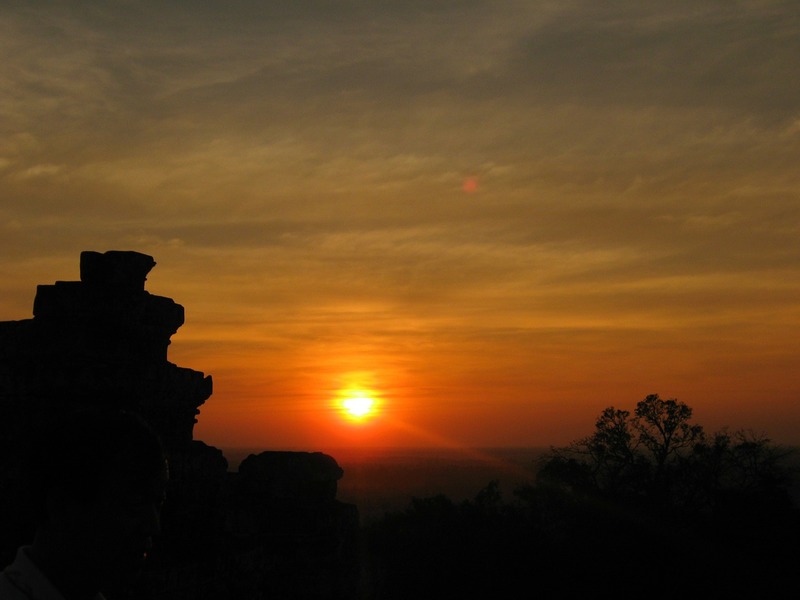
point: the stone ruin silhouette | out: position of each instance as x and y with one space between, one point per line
271 529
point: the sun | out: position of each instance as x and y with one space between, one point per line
357 405
356 397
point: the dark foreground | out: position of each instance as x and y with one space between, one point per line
471 525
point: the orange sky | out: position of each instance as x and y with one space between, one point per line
498 216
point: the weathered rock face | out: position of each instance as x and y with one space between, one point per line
273 530
290 475
282 504
102 340
116 269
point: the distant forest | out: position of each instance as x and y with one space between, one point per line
647 506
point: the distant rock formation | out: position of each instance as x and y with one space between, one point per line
104 339
301 476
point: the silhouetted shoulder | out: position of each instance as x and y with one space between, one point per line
23 580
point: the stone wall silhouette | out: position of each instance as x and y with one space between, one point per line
273 529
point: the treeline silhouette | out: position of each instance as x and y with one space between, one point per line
647 506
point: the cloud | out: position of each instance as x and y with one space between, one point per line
727 56
296 169
44 170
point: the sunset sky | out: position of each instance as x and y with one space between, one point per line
494 218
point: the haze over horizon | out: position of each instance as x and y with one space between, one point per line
494 218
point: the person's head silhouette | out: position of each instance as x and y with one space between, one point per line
98 481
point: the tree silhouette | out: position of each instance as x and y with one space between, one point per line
734 467
647 501
664 430
716 508
631 457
